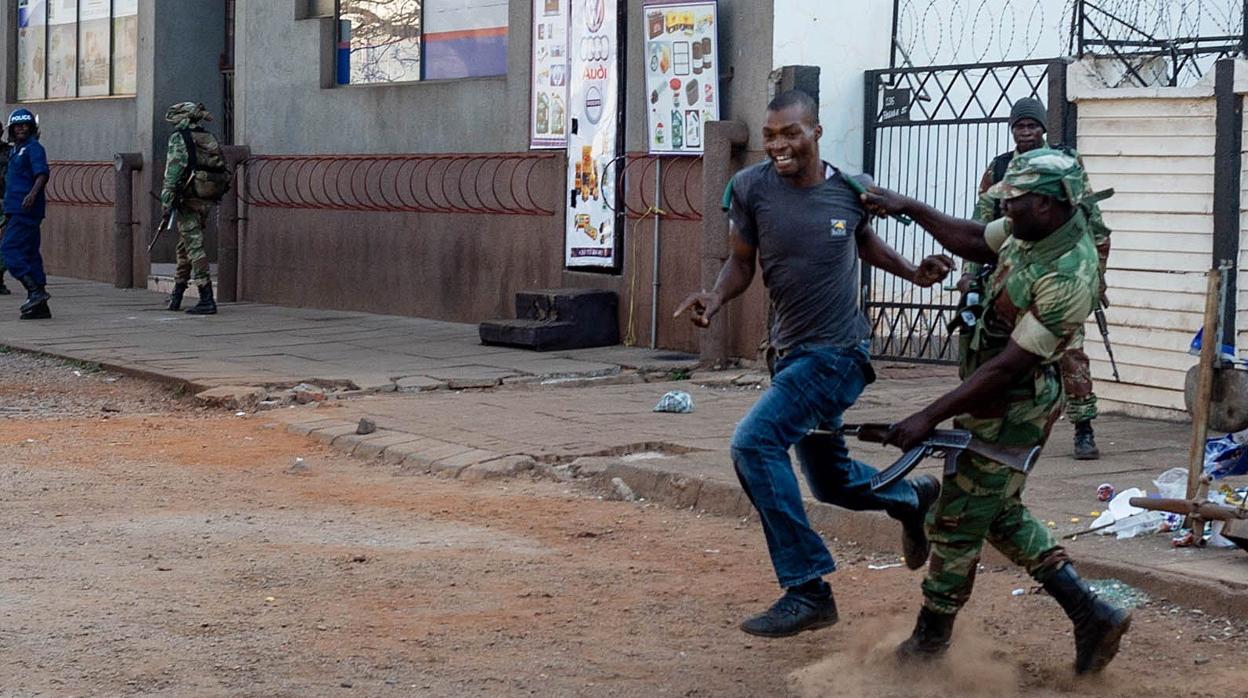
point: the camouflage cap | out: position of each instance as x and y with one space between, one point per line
183 114
1043 171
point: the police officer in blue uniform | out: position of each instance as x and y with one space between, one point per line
25 204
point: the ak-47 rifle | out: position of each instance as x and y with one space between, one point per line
946 443
166 222
1103 325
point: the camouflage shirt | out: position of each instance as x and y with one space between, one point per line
177 161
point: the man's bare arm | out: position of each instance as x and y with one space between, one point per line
873 250
734 278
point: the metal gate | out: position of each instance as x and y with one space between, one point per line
930 133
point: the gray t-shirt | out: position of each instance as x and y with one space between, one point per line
808 251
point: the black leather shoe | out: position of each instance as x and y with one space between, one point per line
1099 627
793 613
930 638
1085 442
914 544
35 293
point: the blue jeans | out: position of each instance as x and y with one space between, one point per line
812 387
20 248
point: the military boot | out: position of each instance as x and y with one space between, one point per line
207 305
38 312
1085 441
930 638
36 294
1098 626
175 296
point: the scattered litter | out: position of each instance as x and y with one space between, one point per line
676 401
884 567
1018 592
1075 519
240 414
1105 492
297 468
1126 521
1226 456
1118 593
1051 524
1172 484
78 373
1094 513
711 551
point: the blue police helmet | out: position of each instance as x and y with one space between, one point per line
22 116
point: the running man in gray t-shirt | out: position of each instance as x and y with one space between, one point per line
800 219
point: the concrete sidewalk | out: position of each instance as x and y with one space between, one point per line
445 404
256 344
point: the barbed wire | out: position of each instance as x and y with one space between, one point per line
948 32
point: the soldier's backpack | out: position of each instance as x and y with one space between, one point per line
208 175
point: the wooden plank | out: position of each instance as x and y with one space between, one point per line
1144 300
1204 386
1158 182
1160 242
1153 281
1194 261
1118 146
1145 126
1100 165
1169 366
1140 395
1161 339
1159 222
1147 108
1160 202
1123 315
1142 376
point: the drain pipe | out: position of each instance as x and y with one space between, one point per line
654 295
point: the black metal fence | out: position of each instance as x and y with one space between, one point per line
930 133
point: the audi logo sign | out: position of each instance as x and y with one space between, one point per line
595 48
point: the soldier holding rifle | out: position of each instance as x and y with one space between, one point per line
1043 288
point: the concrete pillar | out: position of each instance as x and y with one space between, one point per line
227 226
725 143
124 167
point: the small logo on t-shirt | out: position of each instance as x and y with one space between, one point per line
838 228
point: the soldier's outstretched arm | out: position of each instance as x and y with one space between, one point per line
986 384
960 236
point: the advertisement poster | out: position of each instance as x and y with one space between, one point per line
62 48
548 118
93 47
32 49
125 46
593 143
682 64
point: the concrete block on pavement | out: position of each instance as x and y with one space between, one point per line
507 466
232 397
378 443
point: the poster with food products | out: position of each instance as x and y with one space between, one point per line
682 62
591 236
549 111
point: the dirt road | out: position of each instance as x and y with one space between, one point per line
155 549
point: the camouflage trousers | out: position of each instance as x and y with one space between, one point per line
192 260
981 500
1077 384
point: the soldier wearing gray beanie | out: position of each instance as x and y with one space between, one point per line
1029 108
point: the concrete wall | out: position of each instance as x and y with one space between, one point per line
456 267
844 45
1155 147
179 45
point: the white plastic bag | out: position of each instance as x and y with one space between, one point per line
1172 484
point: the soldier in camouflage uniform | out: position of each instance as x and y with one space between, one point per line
1041 292
192 213
1028 127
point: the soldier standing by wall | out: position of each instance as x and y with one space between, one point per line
1042 290
25 204
195 178
1028 126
